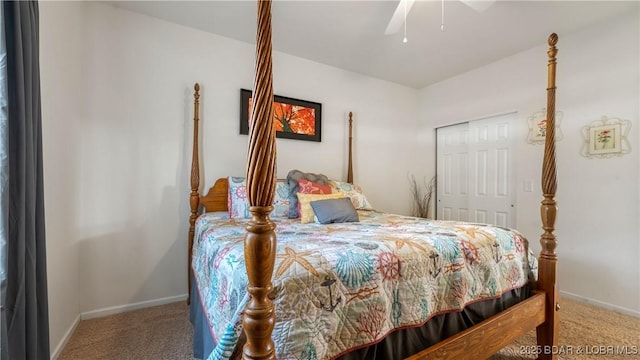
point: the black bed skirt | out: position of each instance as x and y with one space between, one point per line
398 344
406 342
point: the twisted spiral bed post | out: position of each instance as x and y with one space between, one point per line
260 240
547 333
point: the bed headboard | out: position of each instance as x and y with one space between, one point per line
216 198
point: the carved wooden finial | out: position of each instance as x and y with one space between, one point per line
553 40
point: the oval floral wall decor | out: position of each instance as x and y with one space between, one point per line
538 126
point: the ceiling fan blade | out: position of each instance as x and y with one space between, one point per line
398 17
478 5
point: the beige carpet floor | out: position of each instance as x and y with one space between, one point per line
164 332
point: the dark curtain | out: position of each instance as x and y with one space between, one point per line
26 316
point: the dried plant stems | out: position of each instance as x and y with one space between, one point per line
422 196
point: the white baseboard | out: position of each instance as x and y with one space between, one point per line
129 307
65 339
143 304
604 305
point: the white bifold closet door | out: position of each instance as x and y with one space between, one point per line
476 171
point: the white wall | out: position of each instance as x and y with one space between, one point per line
598 199
118 130
117 126
62 91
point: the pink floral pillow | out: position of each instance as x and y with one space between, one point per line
310 187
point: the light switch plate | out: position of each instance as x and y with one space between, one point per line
528 185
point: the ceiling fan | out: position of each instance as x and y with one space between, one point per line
400 15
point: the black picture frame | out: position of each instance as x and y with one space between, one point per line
245 96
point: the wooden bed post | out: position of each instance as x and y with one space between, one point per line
350 166
260 240
194 197
547 333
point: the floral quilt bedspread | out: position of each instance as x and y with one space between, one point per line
342 286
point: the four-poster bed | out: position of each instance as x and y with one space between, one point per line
341 290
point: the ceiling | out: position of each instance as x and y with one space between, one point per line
350 34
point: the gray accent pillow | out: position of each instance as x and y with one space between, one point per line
292 177
334 211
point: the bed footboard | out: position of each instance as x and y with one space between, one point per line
491 335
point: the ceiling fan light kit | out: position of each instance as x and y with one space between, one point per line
478 5
399 17
405 22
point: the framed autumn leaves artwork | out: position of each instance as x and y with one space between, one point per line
292 118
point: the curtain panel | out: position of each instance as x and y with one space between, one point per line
4 193
24 304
